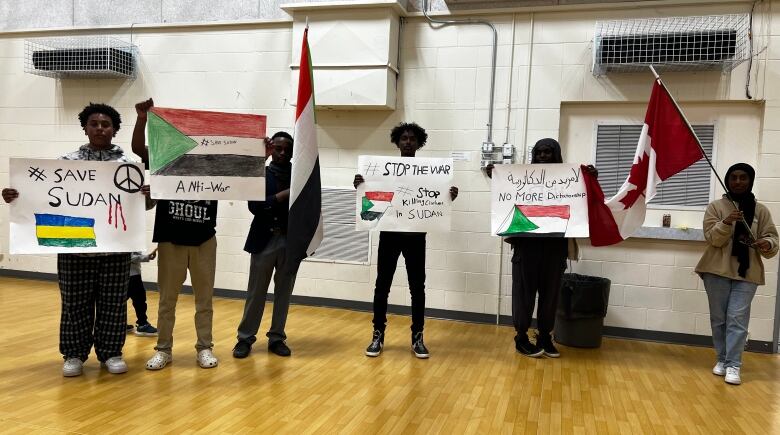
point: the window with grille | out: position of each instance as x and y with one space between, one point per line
615 148
341 241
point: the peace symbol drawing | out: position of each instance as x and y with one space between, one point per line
129 178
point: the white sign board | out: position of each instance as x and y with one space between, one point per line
73 206
538 199
407 194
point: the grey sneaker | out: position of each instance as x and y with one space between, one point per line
72 367
719 369
115 365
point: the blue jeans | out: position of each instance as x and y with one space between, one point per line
729 315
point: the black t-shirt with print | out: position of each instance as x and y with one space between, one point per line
188 223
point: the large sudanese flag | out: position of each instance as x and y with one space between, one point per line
305 219
202 143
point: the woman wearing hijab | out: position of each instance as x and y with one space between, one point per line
731 266
538 264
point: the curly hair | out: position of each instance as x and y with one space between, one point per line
283 134
417 131
104 109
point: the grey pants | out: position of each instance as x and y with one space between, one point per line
260 270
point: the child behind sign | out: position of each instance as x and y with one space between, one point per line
137 292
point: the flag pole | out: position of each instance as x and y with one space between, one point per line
698 142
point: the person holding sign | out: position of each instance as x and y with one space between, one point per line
267 243
731 266
538 263
93 286
408 137
185 232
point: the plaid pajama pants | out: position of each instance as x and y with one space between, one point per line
94 295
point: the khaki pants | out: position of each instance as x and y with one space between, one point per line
173 261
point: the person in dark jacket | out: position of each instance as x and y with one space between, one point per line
267 242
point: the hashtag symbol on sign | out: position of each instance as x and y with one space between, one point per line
405 191
204 142
37 173
371 169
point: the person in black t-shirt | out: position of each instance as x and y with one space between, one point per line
185 234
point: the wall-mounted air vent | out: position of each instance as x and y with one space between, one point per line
92 56
716 42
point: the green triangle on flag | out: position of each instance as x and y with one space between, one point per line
520 224
367 204
166 143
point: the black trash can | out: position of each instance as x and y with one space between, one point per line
582 305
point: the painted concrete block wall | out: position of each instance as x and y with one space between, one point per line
543 64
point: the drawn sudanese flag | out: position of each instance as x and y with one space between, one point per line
200 143
64 231
375 204
551 220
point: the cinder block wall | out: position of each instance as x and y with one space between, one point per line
443 85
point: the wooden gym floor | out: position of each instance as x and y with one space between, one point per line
474 381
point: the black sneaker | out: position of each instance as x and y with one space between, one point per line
377 343
528 349
279 348
130 328
418 347
547 346
242 349
146 330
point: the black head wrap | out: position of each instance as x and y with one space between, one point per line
548 142
747 205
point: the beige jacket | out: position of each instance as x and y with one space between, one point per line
717 258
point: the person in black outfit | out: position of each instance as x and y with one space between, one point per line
538 263
267 242
408 138
137 293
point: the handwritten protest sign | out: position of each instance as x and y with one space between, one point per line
407 194
538 199
195 154
74 206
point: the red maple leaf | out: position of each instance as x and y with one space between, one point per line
637 177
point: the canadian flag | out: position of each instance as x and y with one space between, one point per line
666 146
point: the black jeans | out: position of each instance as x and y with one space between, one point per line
537 265
137 293
412 246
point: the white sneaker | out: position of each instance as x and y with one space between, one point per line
719 369
206 359
158 361
72 367
732 376
115 365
